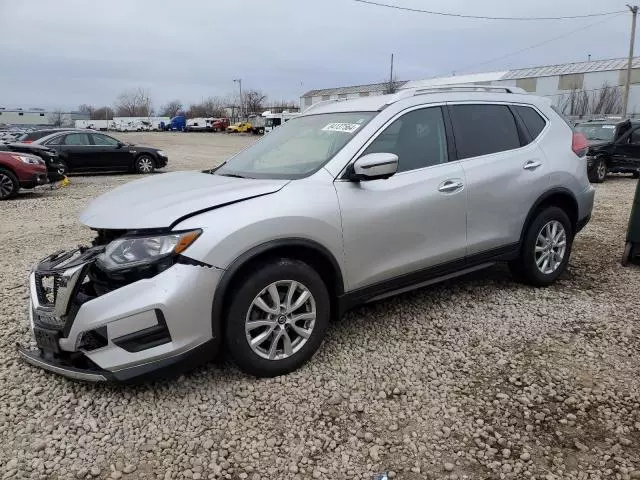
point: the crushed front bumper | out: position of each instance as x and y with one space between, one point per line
132 332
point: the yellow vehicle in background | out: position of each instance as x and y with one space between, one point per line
240 127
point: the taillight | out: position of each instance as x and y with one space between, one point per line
579 144
27 141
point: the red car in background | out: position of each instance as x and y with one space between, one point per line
20 170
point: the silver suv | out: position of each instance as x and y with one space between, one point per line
351 202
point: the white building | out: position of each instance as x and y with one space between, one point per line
553 81
37 116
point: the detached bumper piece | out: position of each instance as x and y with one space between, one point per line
57 365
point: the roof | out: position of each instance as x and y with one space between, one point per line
569 68
370 87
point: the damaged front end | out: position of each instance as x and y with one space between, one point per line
100 313
59 287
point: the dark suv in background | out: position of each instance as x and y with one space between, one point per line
614 147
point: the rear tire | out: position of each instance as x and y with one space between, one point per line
545 251
635 174
297 332
9 185
145 164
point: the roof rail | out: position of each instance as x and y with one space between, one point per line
461 87
469 88
322 102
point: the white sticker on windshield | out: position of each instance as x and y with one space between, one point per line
609 126
341 127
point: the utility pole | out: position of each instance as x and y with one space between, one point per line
239 80
391 74
627 84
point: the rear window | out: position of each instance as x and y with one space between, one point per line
483 129
532 120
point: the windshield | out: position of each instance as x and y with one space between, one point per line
597 131
297 148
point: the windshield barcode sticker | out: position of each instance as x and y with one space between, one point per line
341 127
609 127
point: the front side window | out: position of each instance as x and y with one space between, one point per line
104 140
483 129
418 138
298 147
77 139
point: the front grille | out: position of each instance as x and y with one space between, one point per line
47 288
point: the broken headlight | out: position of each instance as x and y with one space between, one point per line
129 252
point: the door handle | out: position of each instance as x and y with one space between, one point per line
532 165
450 186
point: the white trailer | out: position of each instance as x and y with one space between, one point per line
95 124
199 125
273 120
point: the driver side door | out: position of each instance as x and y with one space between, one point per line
111 154
626 152
413 224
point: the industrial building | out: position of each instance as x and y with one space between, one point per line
553 81
37 116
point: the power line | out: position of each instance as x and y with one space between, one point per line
482 17
536 45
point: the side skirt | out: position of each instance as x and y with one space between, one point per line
425 277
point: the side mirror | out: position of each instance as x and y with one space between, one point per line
120 145
373 166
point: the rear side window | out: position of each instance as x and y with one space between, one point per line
532 120
77 139
483 129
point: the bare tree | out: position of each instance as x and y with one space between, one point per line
210 107
102 113
606 100
171 109
254 101
134 103
86 109
56 118
601 101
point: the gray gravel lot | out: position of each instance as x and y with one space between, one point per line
477 378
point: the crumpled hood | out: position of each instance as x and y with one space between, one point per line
159 200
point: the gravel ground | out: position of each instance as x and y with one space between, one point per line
477 378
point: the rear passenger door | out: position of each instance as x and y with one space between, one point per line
506 171
77 151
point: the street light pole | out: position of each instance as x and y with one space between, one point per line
627 83
239 80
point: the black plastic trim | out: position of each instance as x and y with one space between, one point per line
146 338
362 295
582 223
168 367
541 199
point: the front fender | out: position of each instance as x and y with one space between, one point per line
303 209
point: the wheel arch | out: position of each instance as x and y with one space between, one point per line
557 197
151 155
308 251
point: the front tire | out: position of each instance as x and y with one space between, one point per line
546 248
277 318
599 171
145 164
9 185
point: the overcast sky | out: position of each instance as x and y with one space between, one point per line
64 53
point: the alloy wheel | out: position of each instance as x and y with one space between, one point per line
551 246
601 170
145 165
6 185
280 320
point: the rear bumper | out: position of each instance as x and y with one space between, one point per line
585 201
